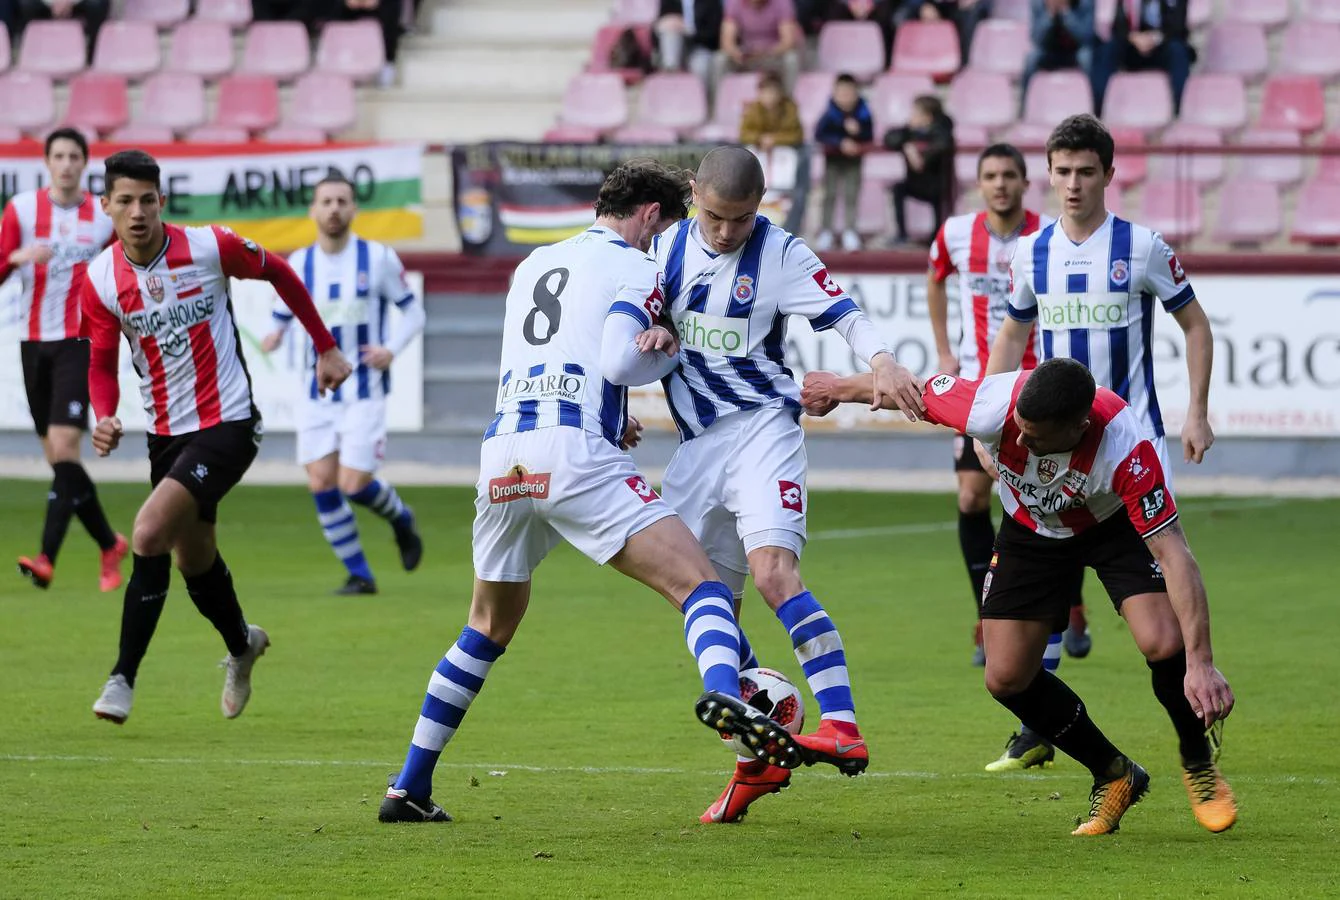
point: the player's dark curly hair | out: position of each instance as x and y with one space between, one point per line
66 134
133 164
644 180
1082 132
1060 390
1003 151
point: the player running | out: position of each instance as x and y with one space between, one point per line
580 324
1083 486
738 475
165 289
342 435
48 236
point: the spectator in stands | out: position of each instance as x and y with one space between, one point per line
927 144
9 17
878 11
772 120
846 132
93 12
309 12
965 14
1063 38
760 35
688 33
1146 34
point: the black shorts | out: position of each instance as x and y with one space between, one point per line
208 463
965 455
1036 578
55 375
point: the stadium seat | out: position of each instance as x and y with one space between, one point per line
983 99
965 161
1054 95
1320 10
1295 102
883 167
1025 136
1316 216
636 12
856 48
1310 48
604 42
1131 168
171 100
136 134
5 58
128 49
54 48
1013 10
27 101
10 135
1249 213
160 13
571 134
874 209
675 100
1286 169
1138 100
595 100
1040 197
1199 168
352 49
733 92
891 98
1000 46
322 102
278 49
1235 48
926 48
98 101
201 47
294 134
1171 208
812 92
1199 13
1214 101
218 134
1268 13
250 102
236 14
1328 166
643 133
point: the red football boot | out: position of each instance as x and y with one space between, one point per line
38 569
751 780
836 743
110 577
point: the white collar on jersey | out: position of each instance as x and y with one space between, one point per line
1107 223
75 205
1018 229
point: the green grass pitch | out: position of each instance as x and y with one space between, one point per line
581 771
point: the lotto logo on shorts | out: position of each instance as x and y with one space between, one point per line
792 498
641 488
518 484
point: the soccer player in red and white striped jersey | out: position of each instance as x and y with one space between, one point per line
48 236
165 289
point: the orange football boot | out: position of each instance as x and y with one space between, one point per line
110 577
752 780
39 570
1110 800
836 743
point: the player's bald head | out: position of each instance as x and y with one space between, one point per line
733 174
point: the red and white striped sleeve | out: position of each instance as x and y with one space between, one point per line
975 408
941 262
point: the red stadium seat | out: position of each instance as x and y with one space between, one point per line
1316 217
1249 213
1295 102
636 12
1270 13
571 134
250 102
97 101
160 13
1310 48
984 99
1131 168
1013 10
141 134
352 49
856 48
644 133
218 134
278 49
322 102
27 101
1171 208
1236 48
1054 95
675 100
201 47
1279 169
1199 13
1039 196
1025 136
235 14
605 40
812 92
1328 166
874 212
884 167
5 58
294 134
1214 101
1001 46
1138 100
10 135
54 48
595 100
734 92
891 98
172 100
1202 169
926 48
965 161
1320 10
129 49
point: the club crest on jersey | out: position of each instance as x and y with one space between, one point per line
792 498
1121 272
1047 469
361 283
743 291
1003 261
154 284
826 283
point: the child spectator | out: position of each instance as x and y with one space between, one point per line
772 120
845 132
927 143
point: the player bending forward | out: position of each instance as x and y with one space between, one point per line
166 289
1083 486
579 325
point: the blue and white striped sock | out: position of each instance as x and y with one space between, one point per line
341 531
819 652
382 499
747 658
714 637
1051 661
455 683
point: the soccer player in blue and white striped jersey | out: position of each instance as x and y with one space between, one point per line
342 436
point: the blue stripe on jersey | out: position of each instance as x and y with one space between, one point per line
405 301
698 295
282 315
613 406
309 269
834 314
1180 299
715 383
333 291
363 278
674 263
685 432
381 338
535 371
336 332
573 369
1048 345
1077 283
750 372
1120 252
569 413
623 244
493 426
1118 348
1022 315
362 371
773 348
528 415
702 407
751 258
507 376
1147 360
628 309
1079 345
1041 247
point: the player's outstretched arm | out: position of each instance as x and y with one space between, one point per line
823 391
1197 435
1007 351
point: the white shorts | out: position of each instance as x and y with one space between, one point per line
539 487
740 485
356 429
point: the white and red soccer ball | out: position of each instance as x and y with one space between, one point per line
771 693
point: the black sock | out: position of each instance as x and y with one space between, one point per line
146 593
977 538
87 507
213 594
1052 710
1168 677
60 507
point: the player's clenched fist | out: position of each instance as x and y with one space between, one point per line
331 370
107 435
818 395
658 337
